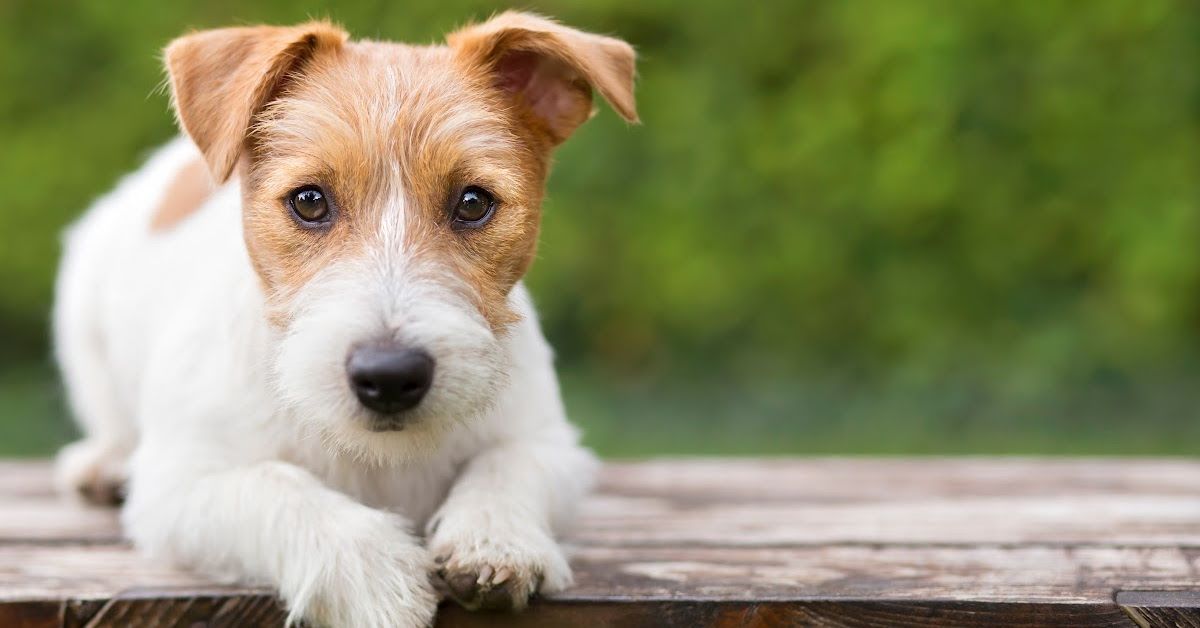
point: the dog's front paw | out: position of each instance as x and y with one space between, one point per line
95 471
482 586
489 568
381 578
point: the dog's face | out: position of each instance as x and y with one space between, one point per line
391 202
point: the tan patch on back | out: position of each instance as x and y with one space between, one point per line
186 193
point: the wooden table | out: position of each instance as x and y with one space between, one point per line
837 542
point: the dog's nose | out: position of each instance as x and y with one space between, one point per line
389 379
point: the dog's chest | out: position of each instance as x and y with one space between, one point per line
413 490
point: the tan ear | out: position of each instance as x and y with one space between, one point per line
221 78
549 70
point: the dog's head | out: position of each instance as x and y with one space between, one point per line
391 200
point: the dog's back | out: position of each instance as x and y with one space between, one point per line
131 254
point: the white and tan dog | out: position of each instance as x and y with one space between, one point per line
301 366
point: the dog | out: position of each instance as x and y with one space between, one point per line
297 339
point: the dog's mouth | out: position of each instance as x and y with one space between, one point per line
388 422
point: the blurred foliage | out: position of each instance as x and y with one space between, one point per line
846 225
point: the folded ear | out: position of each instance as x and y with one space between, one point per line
549 70
221 78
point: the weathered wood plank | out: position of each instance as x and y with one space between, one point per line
833 479
827 542
831 614
1088 575
154 608
48 518
1162 608
1065 519
250 612
645 521
885 479
1027 574
25 477
615 520
771 503
87 572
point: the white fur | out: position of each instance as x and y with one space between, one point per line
247 454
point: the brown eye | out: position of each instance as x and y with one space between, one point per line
474 207
309 204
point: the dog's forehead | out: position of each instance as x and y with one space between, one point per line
394 67
372 90
373 106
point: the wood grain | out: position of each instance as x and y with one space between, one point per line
820 501
823 542
1180 608
832 614
1029 574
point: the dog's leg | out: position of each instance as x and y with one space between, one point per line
335 561
493 538
94 467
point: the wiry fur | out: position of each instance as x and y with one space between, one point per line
205 352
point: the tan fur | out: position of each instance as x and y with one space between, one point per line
379 126
186 193
564 65
221 78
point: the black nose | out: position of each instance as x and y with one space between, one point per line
389 379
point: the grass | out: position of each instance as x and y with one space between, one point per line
33 416
810 418
622 417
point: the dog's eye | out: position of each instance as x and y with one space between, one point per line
474 208
309 204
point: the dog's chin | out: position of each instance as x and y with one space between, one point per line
413 436
362 439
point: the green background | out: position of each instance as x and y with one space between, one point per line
844 226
